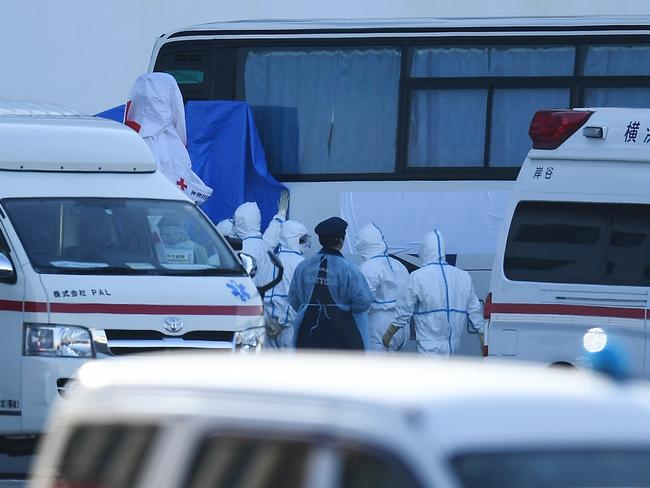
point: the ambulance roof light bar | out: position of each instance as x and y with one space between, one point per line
550 128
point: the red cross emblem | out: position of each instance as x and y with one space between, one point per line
181 184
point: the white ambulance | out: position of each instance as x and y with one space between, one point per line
344 421
574 254
101 256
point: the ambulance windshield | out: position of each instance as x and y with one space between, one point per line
119 236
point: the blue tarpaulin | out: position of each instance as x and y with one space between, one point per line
227 154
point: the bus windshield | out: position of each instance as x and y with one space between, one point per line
119 236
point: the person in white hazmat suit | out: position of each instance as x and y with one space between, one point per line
246 226
386 277
294 241
155 110
441 299
226 227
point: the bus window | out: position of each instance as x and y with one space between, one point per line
325 111
618 97
485 124
439 135
512 111
624 60
493 61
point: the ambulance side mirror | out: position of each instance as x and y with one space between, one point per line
248 262
6 268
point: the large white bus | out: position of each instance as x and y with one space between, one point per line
413 124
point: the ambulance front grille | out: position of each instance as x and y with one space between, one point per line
123 341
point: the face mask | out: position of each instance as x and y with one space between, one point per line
305 243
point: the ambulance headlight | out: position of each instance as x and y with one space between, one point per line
250 340
57 340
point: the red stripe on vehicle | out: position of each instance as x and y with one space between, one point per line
35 307
128 308
11 305
555 309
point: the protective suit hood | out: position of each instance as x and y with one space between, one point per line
155 111
370 242
155 103
432 248
247 220
290 235
225 227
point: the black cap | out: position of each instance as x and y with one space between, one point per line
332 227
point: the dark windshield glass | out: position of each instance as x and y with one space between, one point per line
565 469
119 236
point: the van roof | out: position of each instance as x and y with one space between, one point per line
442 390
37 136
617 134
13 108
420 25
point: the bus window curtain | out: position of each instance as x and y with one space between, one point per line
327 110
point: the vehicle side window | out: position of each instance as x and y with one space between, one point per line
572 242
373 470
239 462
110 456
225 461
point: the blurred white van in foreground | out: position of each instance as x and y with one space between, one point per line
294 420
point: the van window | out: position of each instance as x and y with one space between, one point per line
119 236
567 469
243 462
361 469
572 242
110 456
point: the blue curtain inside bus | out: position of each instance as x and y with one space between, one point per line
325 110
617 61
493 61
447 125
512 111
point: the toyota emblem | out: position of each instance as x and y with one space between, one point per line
173 324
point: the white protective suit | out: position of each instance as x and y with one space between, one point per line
155 110
276 301
247 222
226 228
386 278
441 299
